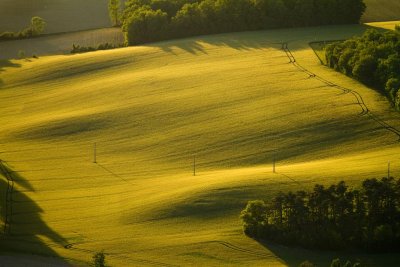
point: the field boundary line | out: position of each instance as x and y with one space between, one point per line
237 248
357 95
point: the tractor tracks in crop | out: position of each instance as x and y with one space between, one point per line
359 99
118 256
238 249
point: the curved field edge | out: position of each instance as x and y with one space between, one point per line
233 100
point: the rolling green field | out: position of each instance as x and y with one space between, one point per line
234 101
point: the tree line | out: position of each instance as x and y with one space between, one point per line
373 59
335 263
153 20
334 217
35 28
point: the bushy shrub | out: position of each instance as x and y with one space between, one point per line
37 26
99 259
7 35
336 263
21 54
83 49
306 264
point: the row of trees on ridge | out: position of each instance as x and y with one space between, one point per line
336 217
153 20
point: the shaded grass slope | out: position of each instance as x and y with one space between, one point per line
234 101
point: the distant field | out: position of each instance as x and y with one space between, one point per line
61 15
233 101
59 43
381 10
388 25
319 47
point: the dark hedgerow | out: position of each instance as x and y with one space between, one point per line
336 217
36 28
153 20
83 49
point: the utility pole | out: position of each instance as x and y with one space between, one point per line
273 165
94 154
194 165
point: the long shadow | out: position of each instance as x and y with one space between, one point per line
248 40
294 256
4 63
7 64
21 222
194 45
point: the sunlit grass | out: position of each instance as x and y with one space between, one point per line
233 101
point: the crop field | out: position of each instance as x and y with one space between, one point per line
61 15
59 44
381 10
224 105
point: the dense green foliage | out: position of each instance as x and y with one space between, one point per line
145 25
113 10
83 49
99 259
330 218
152 20
373 59
34 29
334 263
338 263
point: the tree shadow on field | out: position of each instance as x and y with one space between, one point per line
244 41
191 46
6 64
294 256
25 226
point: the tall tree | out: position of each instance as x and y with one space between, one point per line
113 9
37 25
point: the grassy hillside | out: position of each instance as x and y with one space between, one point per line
61 15
381 10
233 100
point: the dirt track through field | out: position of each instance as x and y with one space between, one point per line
357 96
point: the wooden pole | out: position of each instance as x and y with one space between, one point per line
273 165
194 165
94 153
